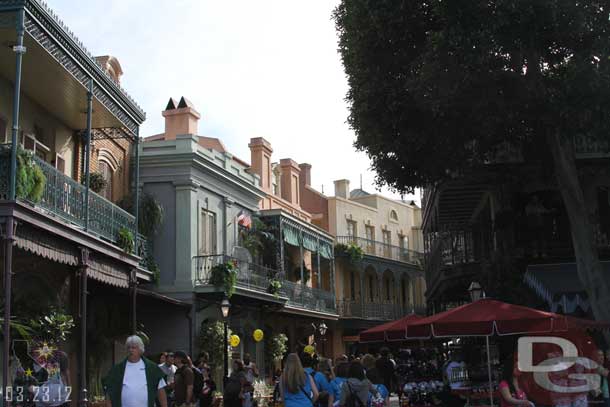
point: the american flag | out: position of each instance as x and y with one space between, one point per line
243 219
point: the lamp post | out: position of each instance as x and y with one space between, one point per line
321 328
476 291
225 306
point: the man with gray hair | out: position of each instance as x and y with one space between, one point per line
136 381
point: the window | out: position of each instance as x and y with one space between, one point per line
351 229
403 241
387 237
393 215
207 233
370 232
107 173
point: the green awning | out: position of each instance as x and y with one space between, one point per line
291 235
310 243
326 250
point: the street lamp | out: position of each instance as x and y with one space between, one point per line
225 306
475 290
322 328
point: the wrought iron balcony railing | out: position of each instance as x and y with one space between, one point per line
256 277
249 275
64 198
384 250
376 311
314 299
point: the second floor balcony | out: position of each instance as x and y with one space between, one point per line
377 311
257 280
383 250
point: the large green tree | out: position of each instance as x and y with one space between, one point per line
437 87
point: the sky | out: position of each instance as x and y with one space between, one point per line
267 68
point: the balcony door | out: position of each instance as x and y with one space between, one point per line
370 239
207 233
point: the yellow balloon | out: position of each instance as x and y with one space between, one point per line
234 340
309 349
258 335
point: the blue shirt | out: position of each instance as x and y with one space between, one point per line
319 379
298 399
335 387
383 392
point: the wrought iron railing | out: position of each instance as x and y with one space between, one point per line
64 198
376 311
249 275
314 299
384 250
257 277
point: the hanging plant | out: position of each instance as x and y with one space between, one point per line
96 181
276 346
257 237
125 240
150 213
54 327
30 181
274 288
152 266
224 275
352 251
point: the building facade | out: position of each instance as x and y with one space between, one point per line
506 227
221 210
63 115
388 282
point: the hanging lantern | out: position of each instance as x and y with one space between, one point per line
258 335
234 341
309 349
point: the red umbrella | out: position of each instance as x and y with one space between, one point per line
487 317
394 330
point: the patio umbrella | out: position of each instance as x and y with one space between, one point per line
487 317
393 330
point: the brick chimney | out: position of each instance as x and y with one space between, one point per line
342 188
290 180
305 174
180 118
260 161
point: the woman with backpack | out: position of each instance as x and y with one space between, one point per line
341 371
383 397
297 388
355 391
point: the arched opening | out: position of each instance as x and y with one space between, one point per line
370 285
388 287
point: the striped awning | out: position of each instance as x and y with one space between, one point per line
559 285
296 234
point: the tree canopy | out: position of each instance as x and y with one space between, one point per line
439 87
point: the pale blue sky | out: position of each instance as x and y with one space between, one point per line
266 68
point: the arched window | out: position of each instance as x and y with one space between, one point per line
393 215
107 174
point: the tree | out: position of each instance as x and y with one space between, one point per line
438 88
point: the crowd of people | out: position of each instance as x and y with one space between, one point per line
304 381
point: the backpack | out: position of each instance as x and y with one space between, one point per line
352 399
197 383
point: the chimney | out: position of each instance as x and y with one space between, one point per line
305 174
111 66
342 188
180 118
260 161
290 180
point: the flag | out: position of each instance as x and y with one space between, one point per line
243 219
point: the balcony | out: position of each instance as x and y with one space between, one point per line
383 250
376 311
255 277
64 198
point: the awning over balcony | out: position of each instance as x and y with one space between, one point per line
296 234
559 285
